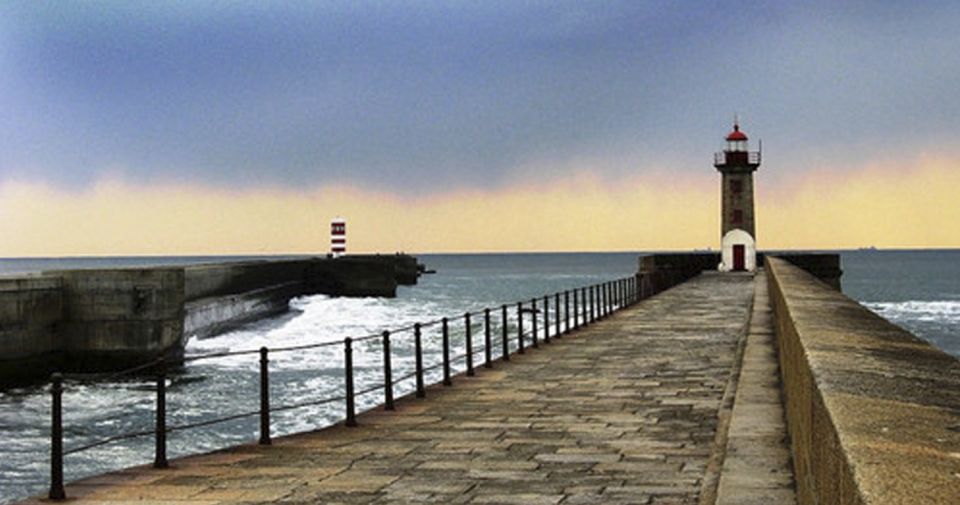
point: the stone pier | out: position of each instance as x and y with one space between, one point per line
630 410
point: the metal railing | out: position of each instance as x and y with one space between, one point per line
589 304
736 158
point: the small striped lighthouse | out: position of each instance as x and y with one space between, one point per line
338 237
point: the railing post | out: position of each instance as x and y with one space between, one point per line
546 319
348 377
503 331
595 302
520 328
418 350
608 298
576 311
533 321
597 307
611 296
601 300
598 302
264 398
614 294
587 303
556 316
160 432
446 353
592 315
468 336
487 341
56 438
583 302
604 299
387 373
566 311
621 293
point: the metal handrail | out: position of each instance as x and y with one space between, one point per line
751 158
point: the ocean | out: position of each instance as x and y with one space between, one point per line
919 290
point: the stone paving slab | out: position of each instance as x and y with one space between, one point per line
623 411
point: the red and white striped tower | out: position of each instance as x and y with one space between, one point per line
338 236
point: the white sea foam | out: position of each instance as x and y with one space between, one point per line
938 311
313 320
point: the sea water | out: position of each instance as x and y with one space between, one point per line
918 289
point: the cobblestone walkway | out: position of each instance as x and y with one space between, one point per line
624 411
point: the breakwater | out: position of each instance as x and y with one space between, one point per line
344 443
873 411
110 319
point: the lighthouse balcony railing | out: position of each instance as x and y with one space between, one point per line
736 158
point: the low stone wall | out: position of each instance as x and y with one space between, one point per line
873 411
659 272
823 266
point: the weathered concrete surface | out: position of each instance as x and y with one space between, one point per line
757 469
873 411
30 308
120 312
623 411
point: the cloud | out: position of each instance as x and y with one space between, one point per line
459 96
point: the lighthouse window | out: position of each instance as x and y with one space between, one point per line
737 216
736 186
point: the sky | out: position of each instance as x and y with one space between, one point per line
238 127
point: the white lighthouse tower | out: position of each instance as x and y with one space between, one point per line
338 237
738 242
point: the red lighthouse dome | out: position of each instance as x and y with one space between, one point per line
736 134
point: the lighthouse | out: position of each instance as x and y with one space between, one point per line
738 237
338 237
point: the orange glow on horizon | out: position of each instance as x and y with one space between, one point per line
884 206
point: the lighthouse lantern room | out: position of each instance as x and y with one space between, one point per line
737 163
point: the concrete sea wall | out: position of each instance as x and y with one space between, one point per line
873 412
108 319
112 318
30 310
